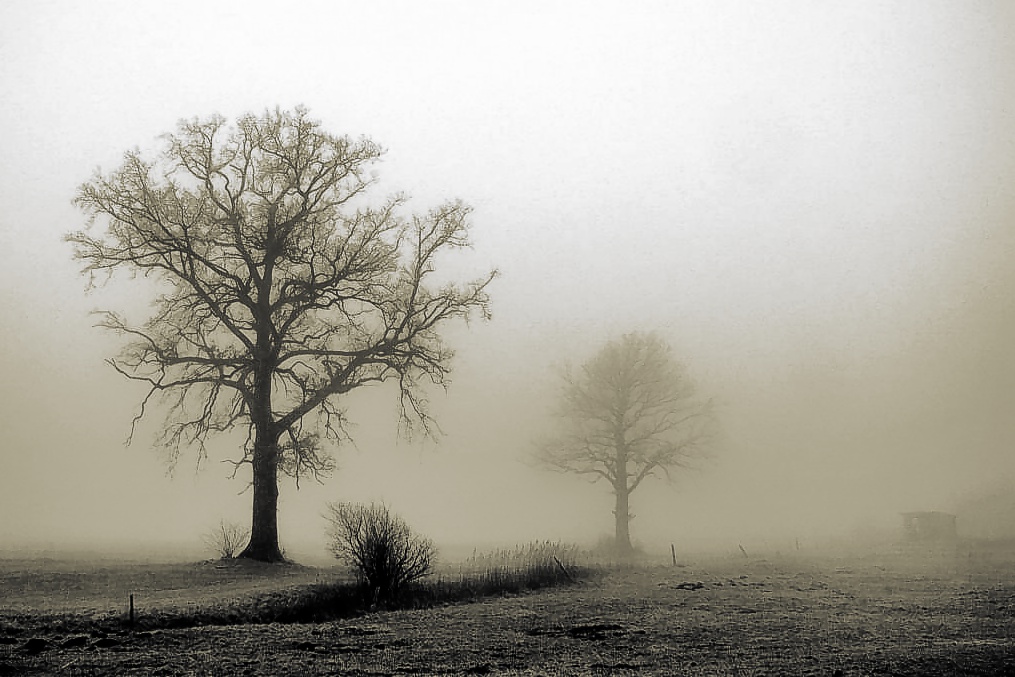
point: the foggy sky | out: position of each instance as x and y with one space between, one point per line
814 205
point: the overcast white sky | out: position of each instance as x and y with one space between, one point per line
813 202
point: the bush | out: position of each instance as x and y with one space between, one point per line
379 546
226 539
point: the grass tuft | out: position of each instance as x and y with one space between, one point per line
541 564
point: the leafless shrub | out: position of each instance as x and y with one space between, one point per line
226 539
379 546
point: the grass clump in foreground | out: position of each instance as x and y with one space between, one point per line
508 571
541 564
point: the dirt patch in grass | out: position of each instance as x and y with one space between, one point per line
747 617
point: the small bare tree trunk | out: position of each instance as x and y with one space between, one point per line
623 521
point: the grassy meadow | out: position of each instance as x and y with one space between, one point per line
541 609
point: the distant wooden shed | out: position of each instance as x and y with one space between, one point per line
929 526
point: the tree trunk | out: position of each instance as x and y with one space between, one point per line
623 519
622 491
263 545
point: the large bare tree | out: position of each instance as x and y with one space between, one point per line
283 290
628 413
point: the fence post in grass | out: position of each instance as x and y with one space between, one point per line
673 554
563 569
131 613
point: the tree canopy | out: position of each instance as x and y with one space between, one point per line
284 289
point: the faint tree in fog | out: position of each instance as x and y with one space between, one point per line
628 413
283 290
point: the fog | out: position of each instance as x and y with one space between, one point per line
814 205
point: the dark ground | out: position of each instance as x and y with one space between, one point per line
912 613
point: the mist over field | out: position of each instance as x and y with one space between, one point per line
813 205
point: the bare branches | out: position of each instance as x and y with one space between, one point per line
626 414
285 292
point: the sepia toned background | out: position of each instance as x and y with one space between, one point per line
813 204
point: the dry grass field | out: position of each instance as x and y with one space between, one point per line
895 612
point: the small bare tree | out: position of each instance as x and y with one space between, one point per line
227 539
628 413
379 546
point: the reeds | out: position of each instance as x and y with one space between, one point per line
540 564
